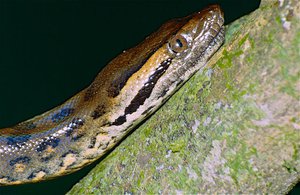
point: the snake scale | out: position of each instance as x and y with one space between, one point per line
131 87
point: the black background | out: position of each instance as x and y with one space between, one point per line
49 50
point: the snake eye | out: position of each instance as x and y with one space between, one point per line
178 44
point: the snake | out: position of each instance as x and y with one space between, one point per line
130 88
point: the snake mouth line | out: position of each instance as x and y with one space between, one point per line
212 46
218 38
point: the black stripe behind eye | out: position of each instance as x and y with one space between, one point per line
144 92
118 83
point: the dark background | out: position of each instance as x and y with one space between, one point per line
49 50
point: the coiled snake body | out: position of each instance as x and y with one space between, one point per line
127 90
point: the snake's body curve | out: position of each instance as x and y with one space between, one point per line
127 90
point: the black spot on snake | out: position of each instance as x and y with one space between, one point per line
91 92
62 114
69 152
76 123
22 159
92 142
163 93
99 111
52 142
46 158
77 137
119 121
65 155
34 173
18 141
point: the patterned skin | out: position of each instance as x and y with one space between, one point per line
127 90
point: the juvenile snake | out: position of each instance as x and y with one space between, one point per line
128 89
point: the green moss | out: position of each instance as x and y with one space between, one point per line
290 85
243 40
140 178
239 161
178 145
289 166
226 61
252 87
296 153
147 132
278 20
238 94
